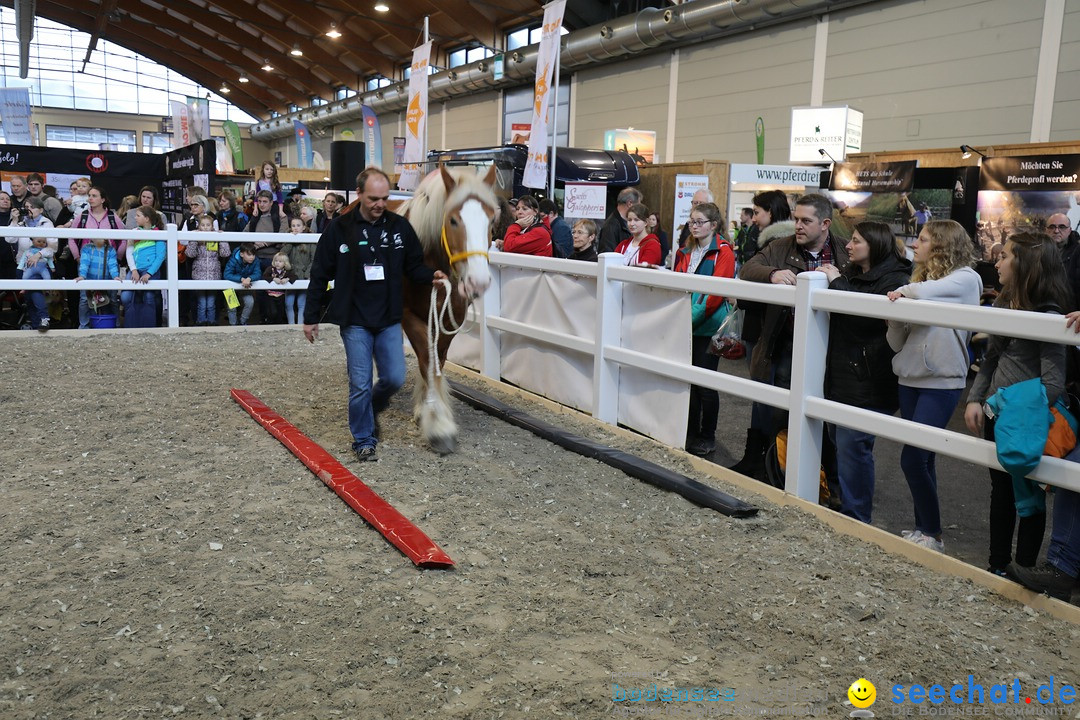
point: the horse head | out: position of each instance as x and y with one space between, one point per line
468 212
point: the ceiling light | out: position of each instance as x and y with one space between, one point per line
267 66
243 78
333 32
382 7
296 51
224 90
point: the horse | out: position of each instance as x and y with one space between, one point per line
451 211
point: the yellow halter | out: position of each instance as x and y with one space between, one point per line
461 255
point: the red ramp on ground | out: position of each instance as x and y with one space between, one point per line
394 526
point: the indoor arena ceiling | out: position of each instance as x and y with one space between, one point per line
216 42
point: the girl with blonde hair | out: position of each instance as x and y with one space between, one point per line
932 362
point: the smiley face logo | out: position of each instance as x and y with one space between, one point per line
862 693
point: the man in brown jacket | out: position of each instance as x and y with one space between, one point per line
812 246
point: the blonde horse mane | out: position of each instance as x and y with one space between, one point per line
426 208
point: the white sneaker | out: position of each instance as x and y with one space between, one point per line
928 541
911 535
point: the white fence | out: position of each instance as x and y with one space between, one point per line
606 347
173 239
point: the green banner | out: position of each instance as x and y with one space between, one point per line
232 139
759 132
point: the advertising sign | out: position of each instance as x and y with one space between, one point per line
547 57
1042 172
637 142
585 200
874 177
416 118
836 130
15 112
685 187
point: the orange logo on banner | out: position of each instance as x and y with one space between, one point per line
541 90
414 115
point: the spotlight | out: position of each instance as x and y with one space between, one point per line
243 78
296 51
224 90
968 150
382 7
825 153
333 32
267 66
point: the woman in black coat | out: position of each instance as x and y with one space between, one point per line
859 363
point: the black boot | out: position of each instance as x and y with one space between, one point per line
753 460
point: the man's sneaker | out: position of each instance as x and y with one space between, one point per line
366 454
1000 572
911 535
44 326
1045 579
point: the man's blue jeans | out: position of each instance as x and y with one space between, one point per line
362 345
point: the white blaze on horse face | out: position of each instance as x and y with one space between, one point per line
477 237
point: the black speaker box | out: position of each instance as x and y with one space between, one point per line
346 162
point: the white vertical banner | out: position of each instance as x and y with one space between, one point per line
15 112
547 57
181 122
198 118
416 118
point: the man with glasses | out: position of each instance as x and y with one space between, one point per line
34 187
1068 243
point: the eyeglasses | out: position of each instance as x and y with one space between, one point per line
1051 228
699 223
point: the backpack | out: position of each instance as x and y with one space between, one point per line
84 217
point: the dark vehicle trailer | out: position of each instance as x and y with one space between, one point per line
615 168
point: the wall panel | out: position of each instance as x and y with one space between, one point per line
622 95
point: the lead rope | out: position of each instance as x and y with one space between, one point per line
436 327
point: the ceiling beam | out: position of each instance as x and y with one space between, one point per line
106 9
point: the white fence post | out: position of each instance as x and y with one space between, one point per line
811 342
609 300
490 346
173 291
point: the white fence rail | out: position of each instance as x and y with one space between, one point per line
173 237
810 298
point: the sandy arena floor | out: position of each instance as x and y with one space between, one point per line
165 557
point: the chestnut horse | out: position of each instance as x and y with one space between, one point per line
451 211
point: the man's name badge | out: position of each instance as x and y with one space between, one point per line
374 272
343 248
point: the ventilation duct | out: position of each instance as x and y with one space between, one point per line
647 31
25 11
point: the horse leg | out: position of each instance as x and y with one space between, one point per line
416 331
437 417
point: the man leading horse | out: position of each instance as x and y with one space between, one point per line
367 252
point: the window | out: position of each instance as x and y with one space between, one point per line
406 71
467 55
316 101
115 79
376 82
526 36
83 138
343 92
156 143
293 107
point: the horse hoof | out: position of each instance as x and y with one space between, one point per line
444 445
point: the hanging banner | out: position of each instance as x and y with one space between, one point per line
372 137
181 123
874 177
416 118
236 146
198 118
304 151
399 155
15 112
1036 172
547 57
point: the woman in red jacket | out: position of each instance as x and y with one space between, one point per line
531 234
642 247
